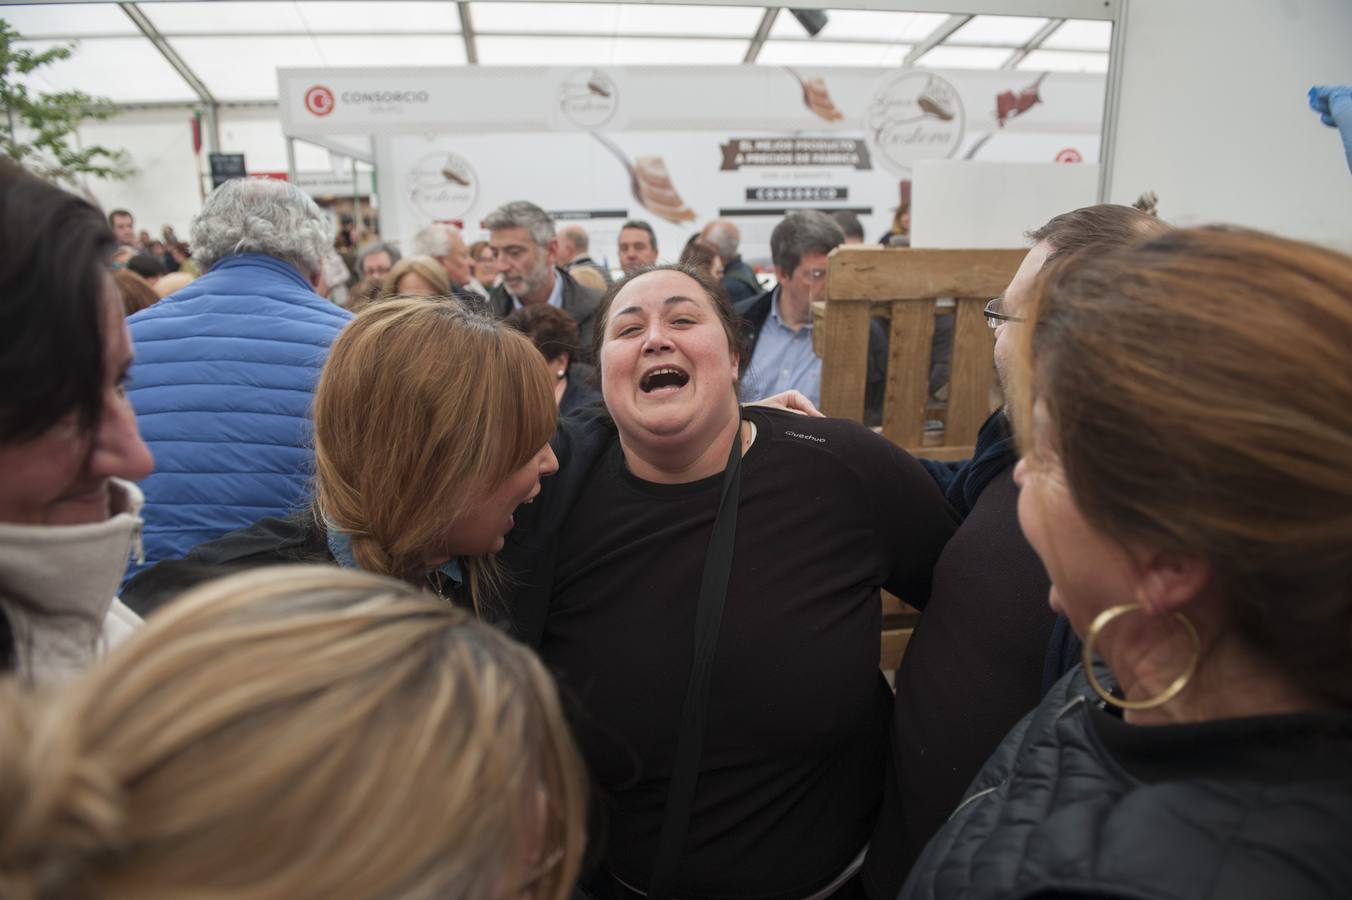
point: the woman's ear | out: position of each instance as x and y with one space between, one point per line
1171 581
559 363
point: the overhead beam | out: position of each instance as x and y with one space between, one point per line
1063 9
936 37
169 53
228 33
467 31
171 56
762 32
1033 43
143 105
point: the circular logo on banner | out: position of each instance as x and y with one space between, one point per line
319 100
1070 154
915 116
443 186
588 98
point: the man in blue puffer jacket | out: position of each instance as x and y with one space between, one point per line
225 368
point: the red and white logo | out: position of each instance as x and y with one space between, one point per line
1070 154
319 100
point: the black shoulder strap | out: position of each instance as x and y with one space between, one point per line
694 711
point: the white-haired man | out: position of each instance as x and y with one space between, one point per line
574 246
445 245
739 280
225 368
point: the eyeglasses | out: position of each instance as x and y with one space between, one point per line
996 314
816 274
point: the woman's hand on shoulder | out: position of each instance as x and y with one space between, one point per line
793 401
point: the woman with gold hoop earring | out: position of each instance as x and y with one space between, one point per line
1185 415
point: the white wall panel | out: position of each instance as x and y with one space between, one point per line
1221 130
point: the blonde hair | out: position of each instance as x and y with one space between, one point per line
589 277
137 293
425 267
173 282
290 733
422 406
1200 390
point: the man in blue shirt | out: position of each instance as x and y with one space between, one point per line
779 355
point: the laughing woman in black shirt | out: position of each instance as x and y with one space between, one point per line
828 513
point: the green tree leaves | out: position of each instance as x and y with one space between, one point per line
39 129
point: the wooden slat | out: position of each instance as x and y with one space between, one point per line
875 273
908 363
899 620
892 647
971 373
945 453
897 614
904 283
818 326
845 360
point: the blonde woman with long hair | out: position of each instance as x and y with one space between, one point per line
431 426
416 276
294 733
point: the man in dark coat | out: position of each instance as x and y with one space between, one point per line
526 251
574 246
739 280
988 646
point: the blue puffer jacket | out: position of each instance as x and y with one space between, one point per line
225 370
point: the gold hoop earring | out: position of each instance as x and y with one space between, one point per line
1169 693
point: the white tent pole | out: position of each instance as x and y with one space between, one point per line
1112 100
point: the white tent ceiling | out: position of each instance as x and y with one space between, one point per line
153 52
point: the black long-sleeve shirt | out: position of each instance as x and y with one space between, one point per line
795 749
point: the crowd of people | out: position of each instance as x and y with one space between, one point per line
519 577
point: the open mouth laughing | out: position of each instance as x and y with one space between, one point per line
664 380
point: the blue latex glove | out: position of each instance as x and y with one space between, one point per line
1334 105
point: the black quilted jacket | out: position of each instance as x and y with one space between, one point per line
1077 803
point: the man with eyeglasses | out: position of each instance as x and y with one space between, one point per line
988 645
779 354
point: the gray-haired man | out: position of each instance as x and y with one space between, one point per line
375 261
739 279
574 244
225 368
446 245
526 252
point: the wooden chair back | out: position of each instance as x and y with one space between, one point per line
903 284
899 621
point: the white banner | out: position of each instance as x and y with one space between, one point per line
679 146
